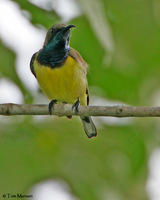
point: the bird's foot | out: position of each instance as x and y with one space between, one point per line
76 105
51 106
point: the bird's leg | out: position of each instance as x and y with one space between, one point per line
51 106
76 105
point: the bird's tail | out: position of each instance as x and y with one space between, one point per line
89 127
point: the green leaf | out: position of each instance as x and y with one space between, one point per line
39 15
7 70
34 151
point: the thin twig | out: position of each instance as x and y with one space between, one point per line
66 110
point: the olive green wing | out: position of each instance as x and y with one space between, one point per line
32 63
76 55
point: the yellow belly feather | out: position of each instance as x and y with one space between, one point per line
65 83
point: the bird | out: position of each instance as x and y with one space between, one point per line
61 73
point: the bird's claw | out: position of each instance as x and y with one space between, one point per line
51 106
76 105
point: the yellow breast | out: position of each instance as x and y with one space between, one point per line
66 83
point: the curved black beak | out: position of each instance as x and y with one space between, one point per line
68 27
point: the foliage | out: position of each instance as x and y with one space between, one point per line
113 165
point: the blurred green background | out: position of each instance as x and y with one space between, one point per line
121 42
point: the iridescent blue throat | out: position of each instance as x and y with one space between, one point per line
53 53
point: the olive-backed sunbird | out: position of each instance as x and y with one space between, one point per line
61 73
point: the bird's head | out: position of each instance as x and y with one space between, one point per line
58 35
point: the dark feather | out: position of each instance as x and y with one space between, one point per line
31 64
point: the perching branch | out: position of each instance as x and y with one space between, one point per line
66 110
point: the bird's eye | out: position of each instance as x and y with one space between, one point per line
52 30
